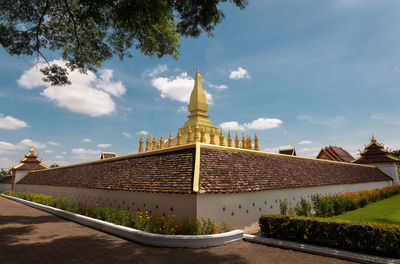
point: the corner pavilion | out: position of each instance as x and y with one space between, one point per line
201 173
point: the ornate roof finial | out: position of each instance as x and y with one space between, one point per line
237 144
229 138
32 150
373 140
141 144
256 147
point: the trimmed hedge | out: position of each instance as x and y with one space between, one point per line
329 205
369 238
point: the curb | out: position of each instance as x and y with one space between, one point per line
158 240
318 250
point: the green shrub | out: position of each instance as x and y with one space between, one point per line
138 220
376 239
303 208
329 205
283 206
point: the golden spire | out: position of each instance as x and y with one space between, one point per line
243 142
237 145
32 150
212 142
148 144
179 138
154 142
196 134
256 147
373 140
162 141
202 135
221 138
229 138
198 104
190 136
170 139
141 144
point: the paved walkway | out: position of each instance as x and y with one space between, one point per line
29 235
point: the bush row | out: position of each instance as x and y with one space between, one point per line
329 205
376 239
138 220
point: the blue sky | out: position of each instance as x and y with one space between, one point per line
299 73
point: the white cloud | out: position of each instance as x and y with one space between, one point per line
159 69
142 133
109 86
126 134
49 151
263 123
25 144
88 94
177 88
11 123
87 140
240 73
303 142
181 109
231 125
64 153
6 163
221 86
104 145
308 152
258 124
84 154
388 119
54 143
59 157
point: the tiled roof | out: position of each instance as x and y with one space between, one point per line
107 155
335 153
159 172
6 179
221 170
374 152
238 171
291 151
30 162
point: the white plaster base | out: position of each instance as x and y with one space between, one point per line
5 187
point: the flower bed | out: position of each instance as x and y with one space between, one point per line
329 205
137 220
377 239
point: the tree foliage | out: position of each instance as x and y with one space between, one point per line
4 173
54 165
396 153
88 32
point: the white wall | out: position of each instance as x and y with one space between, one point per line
19 174
390 168
158 204
5 187
242 210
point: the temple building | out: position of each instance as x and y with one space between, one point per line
202 173
288 151
335 153
375 154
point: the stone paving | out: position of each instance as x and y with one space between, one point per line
28 235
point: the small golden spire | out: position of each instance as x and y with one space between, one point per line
154 143
32 150
162 141
373 140
148 144
256 147
141 144
221 138
202 135
243 142
196 134
229 138
170 139
237 142
212 142
190 136
249 142
179 138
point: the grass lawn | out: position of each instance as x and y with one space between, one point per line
386 211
